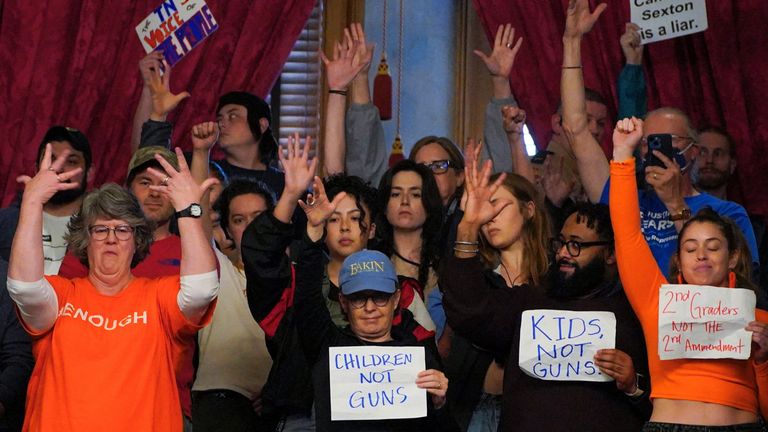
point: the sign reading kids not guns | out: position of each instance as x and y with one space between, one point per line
375 383
705 322
176 27
560 345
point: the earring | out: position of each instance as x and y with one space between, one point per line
731 279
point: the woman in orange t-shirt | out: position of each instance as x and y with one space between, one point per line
697 393
106 345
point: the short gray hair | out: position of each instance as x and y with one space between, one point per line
109 202
672 111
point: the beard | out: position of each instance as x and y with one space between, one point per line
582 282
710 179
71 195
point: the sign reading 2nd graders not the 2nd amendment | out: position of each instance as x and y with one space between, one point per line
704 322
666 19
560 345
376 383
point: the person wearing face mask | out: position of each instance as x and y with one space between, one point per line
485 305
688 394
670 197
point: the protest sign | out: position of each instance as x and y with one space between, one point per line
559 345
704 322
667 19
175 27
375 383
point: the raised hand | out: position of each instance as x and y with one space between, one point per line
626 136
579 20
179 186
618 365
299 171
631 44
364 49
163 101
514 119
346 62
151 62
318 207
49 179
478 208
556 187
503 52
205 135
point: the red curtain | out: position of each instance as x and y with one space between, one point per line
717 77
75 63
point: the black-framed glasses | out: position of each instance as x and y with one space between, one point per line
439 166
572 246
359 300
101 232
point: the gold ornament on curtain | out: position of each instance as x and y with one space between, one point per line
397 147
382 84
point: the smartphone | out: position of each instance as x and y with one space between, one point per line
663 144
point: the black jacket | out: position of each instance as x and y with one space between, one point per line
480 306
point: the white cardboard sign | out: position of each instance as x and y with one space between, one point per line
375 383
667 19
176 27
704 322
560 345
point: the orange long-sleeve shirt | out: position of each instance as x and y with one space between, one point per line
741 384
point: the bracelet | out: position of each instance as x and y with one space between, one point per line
459 242
638 391
571 67
472 251
338 92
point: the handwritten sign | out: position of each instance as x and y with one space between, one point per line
704 322
666 19
375 383
176 27
559 345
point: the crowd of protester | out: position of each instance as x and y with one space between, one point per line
206 294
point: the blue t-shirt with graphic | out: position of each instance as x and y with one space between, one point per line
660 233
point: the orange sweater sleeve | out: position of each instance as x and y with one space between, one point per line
761 372
638 270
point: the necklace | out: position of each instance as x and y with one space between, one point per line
509 278
413 263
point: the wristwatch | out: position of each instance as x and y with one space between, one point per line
683 214
194 210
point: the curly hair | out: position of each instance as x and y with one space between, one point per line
109 202
433 206
365 195
596 217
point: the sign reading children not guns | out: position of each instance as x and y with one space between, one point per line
560 345
376 383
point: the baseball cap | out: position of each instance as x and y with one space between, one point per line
145 157
74 137
367 270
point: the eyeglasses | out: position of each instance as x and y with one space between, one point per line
101 232
357 301
572 246
439 166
